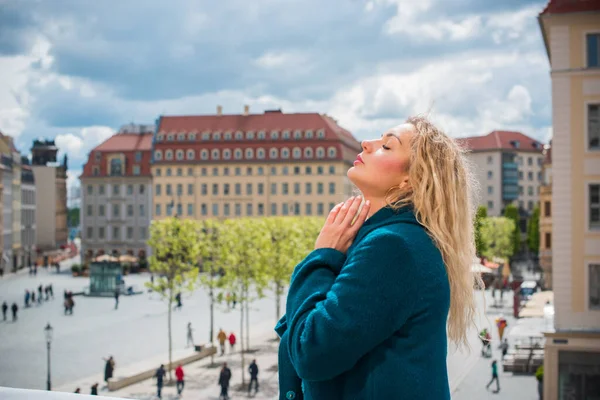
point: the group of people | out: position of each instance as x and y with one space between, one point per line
30 296
222 337
225 377
14 308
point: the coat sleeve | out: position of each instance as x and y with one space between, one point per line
335 316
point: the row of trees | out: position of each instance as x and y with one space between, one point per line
501 236
245 256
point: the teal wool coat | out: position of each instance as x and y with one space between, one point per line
370 324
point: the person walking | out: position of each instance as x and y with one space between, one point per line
253 370
494 377
51 291
117 298
232 340
4 310
178 300
27 296
33 296
224 378
190 337
222 337
160 375
15 309
504 346
94 389
109 368
40 298
180 382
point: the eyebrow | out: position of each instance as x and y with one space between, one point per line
391 134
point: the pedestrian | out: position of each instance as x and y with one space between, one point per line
159 375
494 377
180 382
117 298
253 370
222 337
190 338
51 291
78 390
109 368
1 272
232 341
4 310
504 347
224 378
46 293
27 296
15 309
33 296
234 299
94 391
178 300
228 299
40 294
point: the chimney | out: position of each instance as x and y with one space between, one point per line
246 110
219 110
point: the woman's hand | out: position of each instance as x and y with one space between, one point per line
339 232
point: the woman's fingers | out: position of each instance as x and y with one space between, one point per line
343 211
333 213
352 210
361 218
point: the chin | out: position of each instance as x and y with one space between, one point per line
354 175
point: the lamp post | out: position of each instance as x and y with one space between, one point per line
48 331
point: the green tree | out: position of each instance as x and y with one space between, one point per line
512 212
73 216
497 233
175 253
479 218
533 231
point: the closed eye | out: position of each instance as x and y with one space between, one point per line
385 147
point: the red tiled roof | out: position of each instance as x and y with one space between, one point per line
126 142
502 140
571 6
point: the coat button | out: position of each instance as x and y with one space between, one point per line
290 395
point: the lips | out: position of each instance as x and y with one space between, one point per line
359 159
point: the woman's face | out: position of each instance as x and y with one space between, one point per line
384 162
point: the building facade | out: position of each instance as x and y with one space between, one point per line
7 222
116 195
571 32
28 220
245 165
50 178
508 168
546 218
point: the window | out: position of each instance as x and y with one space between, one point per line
273 188
130 210
226 209
168 171
284 209
594 289
320 152
320 209
308 209
215 171
203 209
539 176
169 209
170 137
160 138
136 169
261 209
308 134
490 159
260 188
321 134
158 155
169 154
238 171
331 152
116 167
260 154
203 171
274 135
250 135
529 161
239 135
237 154
168 189
101 232
226 189
297 152
116 233
249 171
179 189
308 188
249 209
204 154
215 154
331 170
490 174
238 189
594 206
273 153
530 176
143 232
249 154
490 205
320 170
227 135
521 190
179 209
593 49
179 172
296 188
179 155
593 126
296 170
308 153
490 189
284 170
530 205
192 137
130 232
215 189
284 188
190 189
217 136
190 171
238 209
285 153
158 172
248 188
273 170
260 171
101 209
331 188
90 210
142 210
116 189
204 189
206 136
520 175
97 156
227 154
190 154
548 240
129 189
296 208
262 135
181 137
320 188
547 209
190 209
286 135
90 232
273 209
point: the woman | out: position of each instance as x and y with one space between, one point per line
369 310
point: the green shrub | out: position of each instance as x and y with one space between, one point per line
75 268
539 373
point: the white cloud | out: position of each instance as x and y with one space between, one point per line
94 135
69 143
272 60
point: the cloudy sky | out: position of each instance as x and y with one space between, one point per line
77 70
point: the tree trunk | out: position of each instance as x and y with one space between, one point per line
170 339
242 353
247 322
212 315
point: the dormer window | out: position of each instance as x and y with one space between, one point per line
308 134
206 136
320 152
237 154
217 136
160 138
169 154
321 134
204 154
226 154
181 137
170 137
308 153
262 135
239 135
190 154
227 135
215 154
331 152
192 137
297 152
274 135
298 134
250 135
286 135
158 155
285 153
116 167
515 144
260 154
179 155
273 153
249 154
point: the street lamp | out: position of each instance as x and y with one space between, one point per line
48 331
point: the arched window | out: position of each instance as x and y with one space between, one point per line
169 154
308 152
298 134
285 153
227 154
262 135
321 134
190 154
170 137
181 137
250 135
217 136
237 154
239 135
249 154
215 154
286 134
160 137
320 152
157 155
204 154
179 155
331 152
273 153
260 154
227 135
206 135
297 153
274 135
116 167
192 137
308 134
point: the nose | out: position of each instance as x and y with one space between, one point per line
366 145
